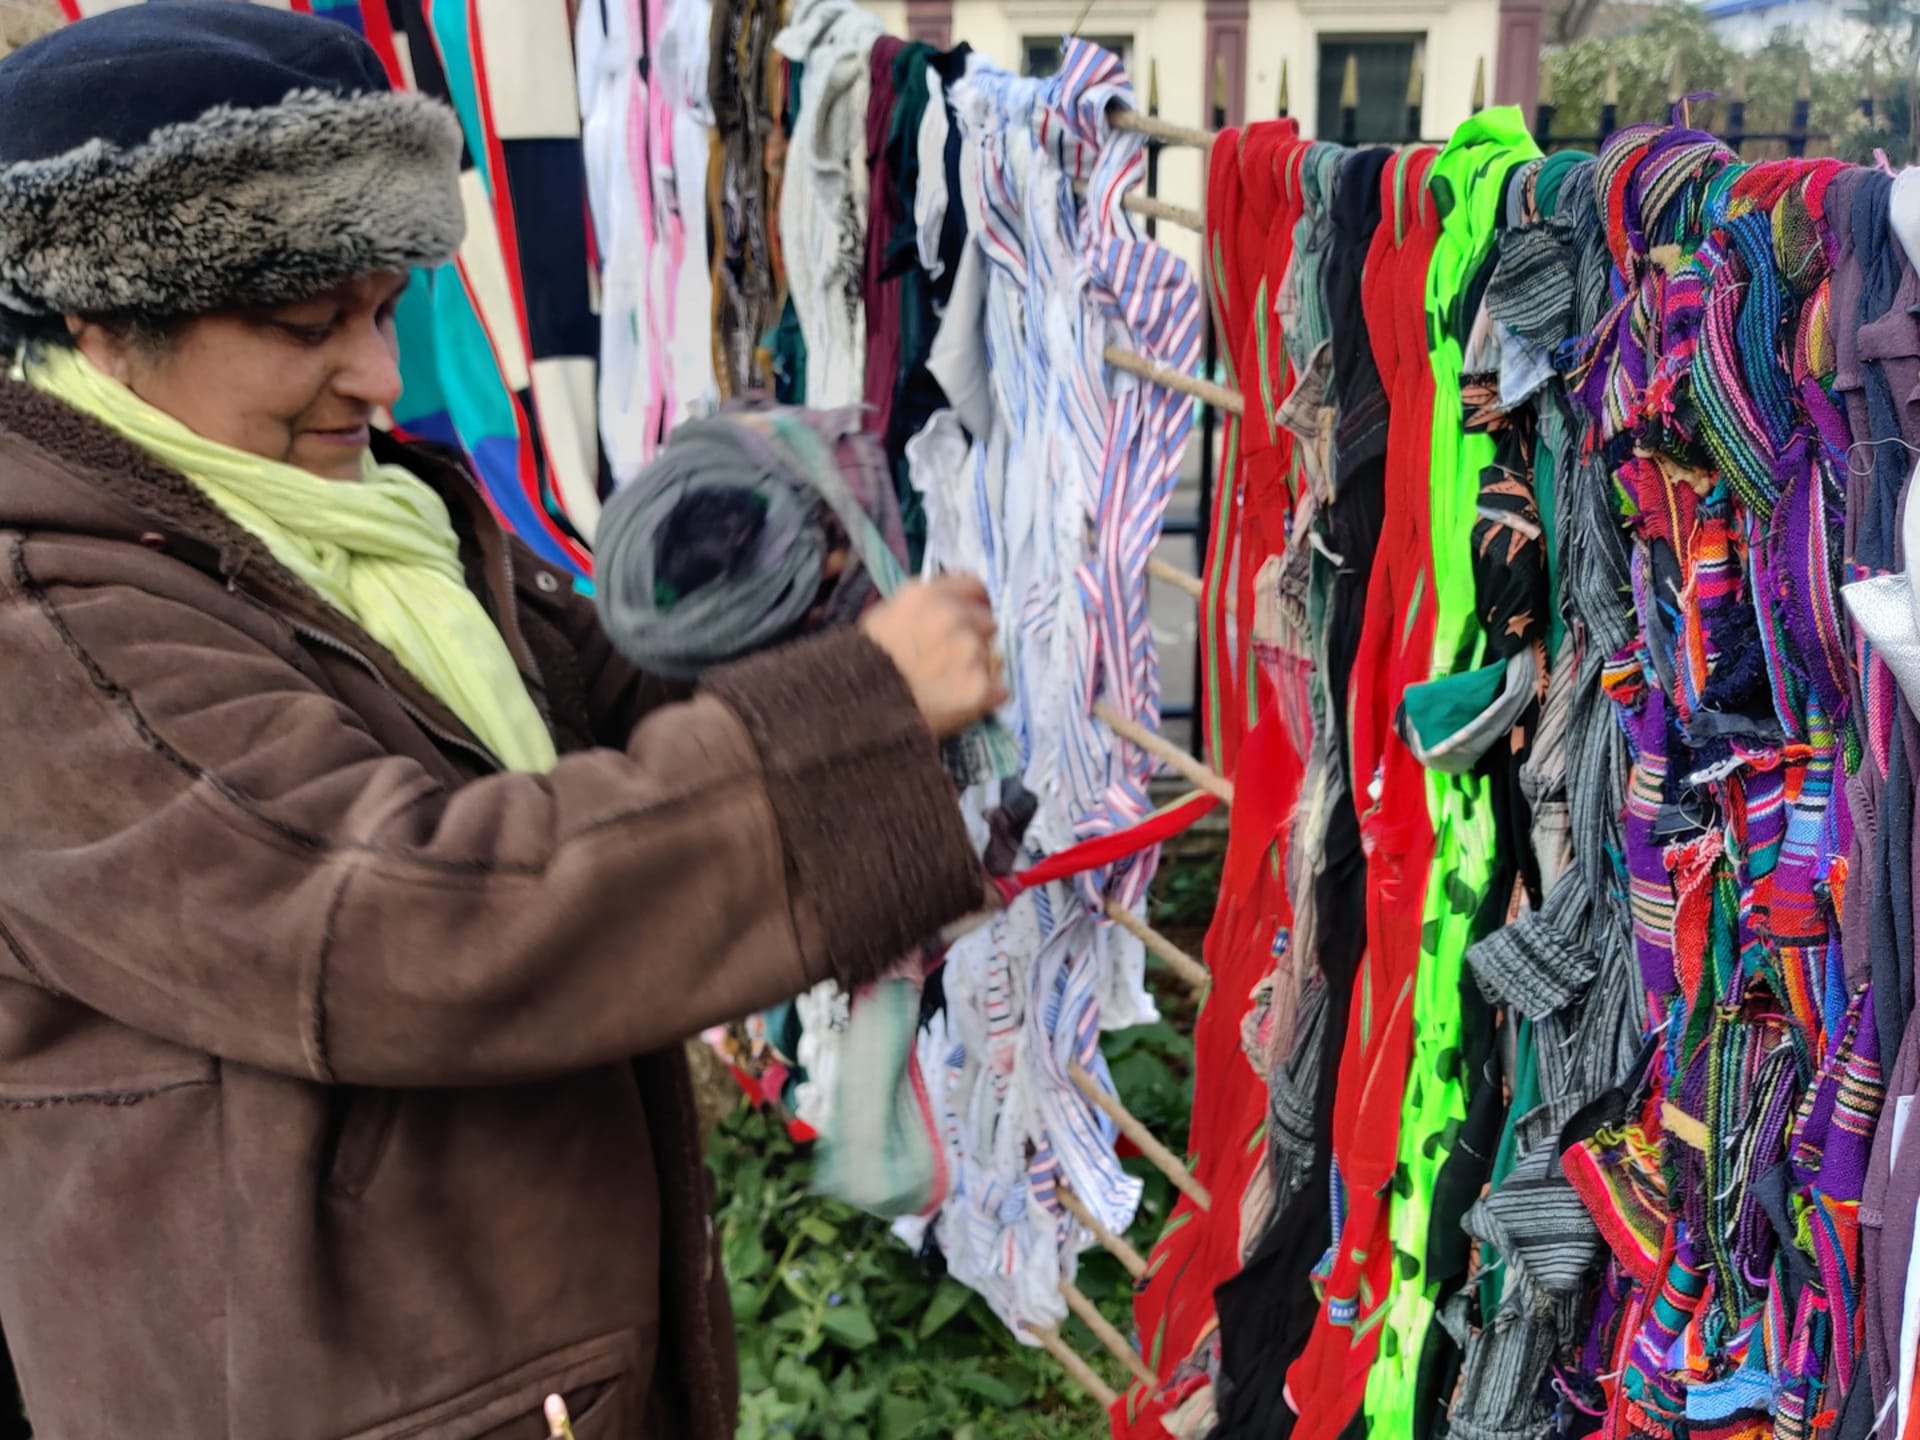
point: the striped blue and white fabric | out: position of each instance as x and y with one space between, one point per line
1057 504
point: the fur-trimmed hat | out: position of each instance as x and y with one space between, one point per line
184 156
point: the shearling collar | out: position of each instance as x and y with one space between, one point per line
125 494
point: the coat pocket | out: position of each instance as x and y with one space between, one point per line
594 1376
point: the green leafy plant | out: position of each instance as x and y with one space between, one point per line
843 1332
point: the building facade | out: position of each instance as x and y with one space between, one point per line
1190 45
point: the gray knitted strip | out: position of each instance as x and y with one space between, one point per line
1569 967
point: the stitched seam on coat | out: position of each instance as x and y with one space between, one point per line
106 1097
314 1027
19 953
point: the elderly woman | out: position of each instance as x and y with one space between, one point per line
355 899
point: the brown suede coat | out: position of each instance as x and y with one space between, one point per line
320 1111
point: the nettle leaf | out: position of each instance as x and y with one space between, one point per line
979 1382
850 1326
818 1231
796 1321
948 1301
743 1255
900 1417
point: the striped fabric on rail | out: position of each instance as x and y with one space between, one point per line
1065 557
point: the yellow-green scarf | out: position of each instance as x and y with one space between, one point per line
381 551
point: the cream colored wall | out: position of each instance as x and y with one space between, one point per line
1458 36
892 13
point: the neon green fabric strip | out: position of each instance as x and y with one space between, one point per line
1467 184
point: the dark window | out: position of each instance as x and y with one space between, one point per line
1040 54
1384 64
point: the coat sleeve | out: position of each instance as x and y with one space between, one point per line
200 842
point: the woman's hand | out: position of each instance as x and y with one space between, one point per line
940 635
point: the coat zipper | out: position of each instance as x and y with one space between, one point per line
341 647
419 716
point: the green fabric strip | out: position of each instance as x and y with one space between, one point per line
1467 184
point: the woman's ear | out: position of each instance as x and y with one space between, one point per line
110 354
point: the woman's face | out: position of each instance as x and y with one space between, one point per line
299 383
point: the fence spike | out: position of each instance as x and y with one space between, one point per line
1283 87
1676 80
1479 85
1153 87
1737 91
1546 82
1804 91
1610 91
1417 79
1350 84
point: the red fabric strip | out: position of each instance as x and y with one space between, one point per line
1109 849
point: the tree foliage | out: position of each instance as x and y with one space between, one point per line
1676 41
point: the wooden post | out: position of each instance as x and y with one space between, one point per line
1350 102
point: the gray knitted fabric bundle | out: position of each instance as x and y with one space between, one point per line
718 548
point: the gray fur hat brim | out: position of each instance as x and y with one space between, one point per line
239 208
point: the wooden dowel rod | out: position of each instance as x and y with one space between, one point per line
1178 960
1166 210
1162 1158
1130 1259
1217 396
1161 749
1082 1373
1173 575
1122 118
1103 1331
